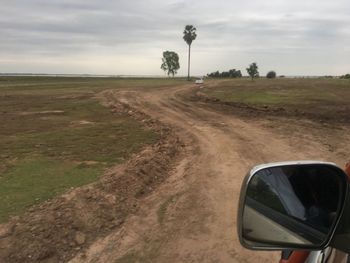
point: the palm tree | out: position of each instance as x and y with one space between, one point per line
189 36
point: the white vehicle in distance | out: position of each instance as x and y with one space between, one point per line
199 81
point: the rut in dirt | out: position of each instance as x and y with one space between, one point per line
192 216
164 206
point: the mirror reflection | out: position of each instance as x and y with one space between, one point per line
293 204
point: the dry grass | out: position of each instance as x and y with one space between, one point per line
55 135
323 98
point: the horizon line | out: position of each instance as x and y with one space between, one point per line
134 76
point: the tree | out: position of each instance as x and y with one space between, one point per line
253 70
235 73
232 73
215 74
170 62
271 74
189 36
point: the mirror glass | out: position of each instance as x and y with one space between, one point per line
292 205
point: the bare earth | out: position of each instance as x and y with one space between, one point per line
192 216
188 215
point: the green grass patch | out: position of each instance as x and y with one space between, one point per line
324 97
35 180
54 135
282 91
106 143
64 85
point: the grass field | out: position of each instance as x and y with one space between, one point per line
326 98
55 135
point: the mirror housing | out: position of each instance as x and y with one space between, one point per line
291 205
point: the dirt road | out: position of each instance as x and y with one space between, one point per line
192 216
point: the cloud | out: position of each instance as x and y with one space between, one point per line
294 37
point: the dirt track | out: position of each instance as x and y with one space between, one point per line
175 201
192 216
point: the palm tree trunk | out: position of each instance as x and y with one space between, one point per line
189 62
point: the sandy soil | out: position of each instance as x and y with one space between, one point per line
189 215
192 216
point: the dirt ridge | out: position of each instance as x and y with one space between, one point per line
244 109
193 218
58 229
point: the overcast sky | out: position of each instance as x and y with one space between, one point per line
293 37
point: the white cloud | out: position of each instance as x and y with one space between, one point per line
128 37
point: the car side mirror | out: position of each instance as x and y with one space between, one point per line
291 205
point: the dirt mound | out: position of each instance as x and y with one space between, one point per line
57 229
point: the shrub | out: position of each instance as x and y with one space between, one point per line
271 74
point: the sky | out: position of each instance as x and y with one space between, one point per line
128 37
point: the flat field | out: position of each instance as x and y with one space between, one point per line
326 99
55 135
176 200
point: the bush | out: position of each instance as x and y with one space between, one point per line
271 74
346 76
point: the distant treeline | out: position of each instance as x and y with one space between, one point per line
346 76
232 73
